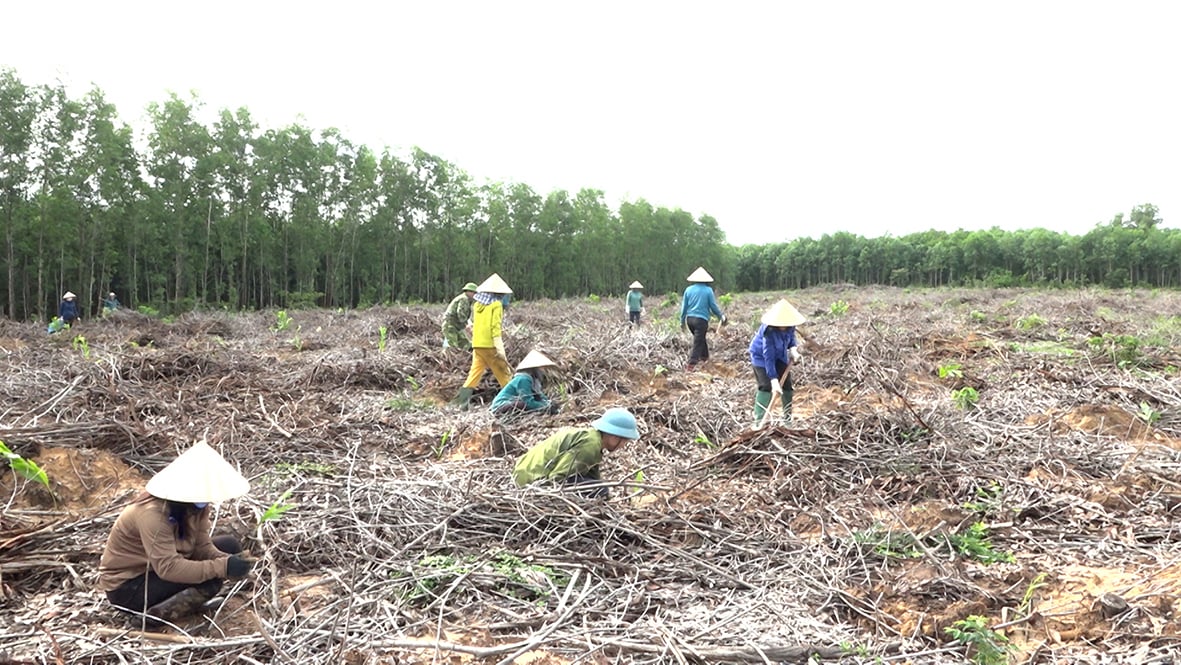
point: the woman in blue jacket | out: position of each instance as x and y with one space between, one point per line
772 351
68 309
522 394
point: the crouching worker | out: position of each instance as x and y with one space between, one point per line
572 456
160 560
523 393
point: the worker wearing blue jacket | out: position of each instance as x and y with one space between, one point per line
772 352
522 394
697 304
68 309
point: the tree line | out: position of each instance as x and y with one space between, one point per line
186 215
1126 251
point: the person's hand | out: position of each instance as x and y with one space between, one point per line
776 388
684 327
498 342
796 355
238 565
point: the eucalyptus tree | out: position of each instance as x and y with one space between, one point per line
18 111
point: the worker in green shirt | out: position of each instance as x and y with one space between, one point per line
455 319
635 303
572 456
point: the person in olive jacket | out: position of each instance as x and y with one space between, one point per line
160 561
455 319
572 456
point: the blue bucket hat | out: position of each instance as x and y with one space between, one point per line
617 421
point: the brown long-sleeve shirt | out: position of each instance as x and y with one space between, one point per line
143 537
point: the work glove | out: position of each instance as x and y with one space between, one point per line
724 320
776 388
498 342
796 355
238 565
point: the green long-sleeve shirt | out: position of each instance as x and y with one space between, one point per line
568 452
458 312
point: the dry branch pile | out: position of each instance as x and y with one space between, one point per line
859 532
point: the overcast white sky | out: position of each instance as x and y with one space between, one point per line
780 119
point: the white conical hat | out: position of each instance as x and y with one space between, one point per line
68 295
636 285
494 284
199 475
700 275
783 314
536 359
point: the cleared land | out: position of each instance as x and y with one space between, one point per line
893 507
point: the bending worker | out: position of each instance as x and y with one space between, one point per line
572 456
523 393
160 559
773 349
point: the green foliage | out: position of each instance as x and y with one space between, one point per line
504 572
838 308
593 298
974 544
408 403
286 469
702 440
1027 599
415 384
80 344
277 509
282 321
382 332
1148 414
1124 350
441 447
951 370
978 316
302 300
24 468
965 397
725 299
659 370
889 544
988 499
988 647
1048 347
1030 322
296 341
148 310
670 300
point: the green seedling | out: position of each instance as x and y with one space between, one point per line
965 397
1026 605
951 370
275 511
670 300
838 308
974 544
414 383
659 371
988 646
1148 414
439 448
702 440
725 299
24 468
382 332
593 298
978 316
890 544
282 321
80 344
1030 322
988 499
1124 350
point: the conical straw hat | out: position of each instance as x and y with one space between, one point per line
494 284
783 314
68 295
636 285
199 475
535 359
700 275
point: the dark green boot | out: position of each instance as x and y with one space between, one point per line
786 399
464 396
762 401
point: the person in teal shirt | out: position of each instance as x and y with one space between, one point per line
572 456
635 303
522 394
697 304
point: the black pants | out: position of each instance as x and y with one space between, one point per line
139 593
700 349
634 317
764 382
